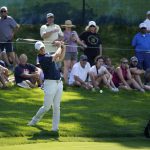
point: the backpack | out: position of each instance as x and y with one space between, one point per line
147 130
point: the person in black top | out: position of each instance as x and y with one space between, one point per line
53 86
26 75
92 40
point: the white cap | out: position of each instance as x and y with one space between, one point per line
142 25
3 7
148 13
92 23
39 45
49 15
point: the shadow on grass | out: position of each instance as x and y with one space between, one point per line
83 114
44 134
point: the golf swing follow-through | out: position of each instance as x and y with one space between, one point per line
53 85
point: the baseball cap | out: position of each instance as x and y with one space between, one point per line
92 23
148 13
50 15
39 45
83 57
134 59
3 7
142 25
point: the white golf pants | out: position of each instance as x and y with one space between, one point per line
52 97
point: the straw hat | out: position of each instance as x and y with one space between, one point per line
68 23
91 23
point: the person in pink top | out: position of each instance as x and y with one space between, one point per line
71 40
122 77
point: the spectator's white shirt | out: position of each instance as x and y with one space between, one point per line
100 71
147 22
79 71
54 36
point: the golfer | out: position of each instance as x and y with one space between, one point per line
53 86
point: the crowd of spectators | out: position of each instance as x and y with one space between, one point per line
92 70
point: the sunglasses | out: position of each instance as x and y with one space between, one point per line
84 60
3 11
124 62
92 26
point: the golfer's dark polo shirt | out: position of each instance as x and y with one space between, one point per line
49 67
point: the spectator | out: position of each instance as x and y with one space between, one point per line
4 74
122 77
141 43
51 33
147 21
137 73
80 72
26 75
8 27
108 65
71 40
92 42
147 77
100 75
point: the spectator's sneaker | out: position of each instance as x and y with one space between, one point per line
115 89
142 90
24 84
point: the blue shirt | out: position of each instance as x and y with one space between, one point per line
6 28
141 42
49 67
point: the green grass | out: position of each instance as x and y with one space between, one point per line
83 144
83 113
89 120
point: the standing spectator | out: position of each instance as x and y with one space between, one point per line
122 77
92 40
8 27
147 21
71 40
26 75
79 75
53 86
100 75
141 44
51 33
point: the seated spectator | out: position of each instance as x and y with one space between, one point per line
8 60
79 73
147 77
108 65
26 75
100 75
137 73
122 77
3 76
